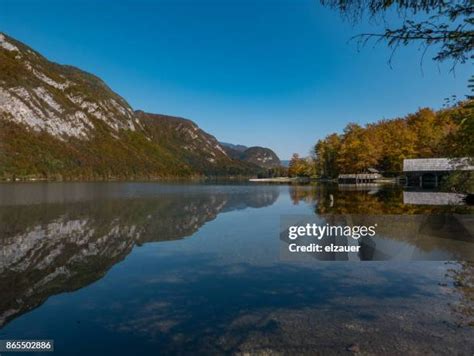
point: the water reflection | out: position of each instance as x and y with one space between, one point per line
425 230
52 248
225 290
374 200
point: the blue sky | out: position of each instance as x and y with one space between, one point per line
275 73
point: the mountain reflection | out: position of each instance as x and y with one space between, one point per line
58 247
226 288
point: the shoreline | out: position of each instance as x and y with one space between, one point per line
280 180
58 179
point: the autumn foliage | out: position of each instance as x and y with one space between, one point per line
383 145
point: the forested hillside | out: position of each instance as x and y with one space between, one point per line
59 122
383 145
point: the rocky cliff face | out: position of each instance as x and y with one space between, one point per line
56 120
60 100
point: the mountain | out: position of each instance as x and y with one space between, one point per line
239 148
234 151
57 121
260 156
186 141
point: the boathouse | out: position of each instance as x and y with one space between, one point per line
428 171
358 178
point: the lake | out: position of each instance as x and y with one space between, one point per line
137 268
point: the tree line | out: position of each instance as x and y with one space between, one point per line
385 144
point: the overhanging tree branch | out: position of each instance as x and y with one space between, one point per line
450 28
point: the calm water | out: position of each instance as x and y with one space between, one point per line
135 268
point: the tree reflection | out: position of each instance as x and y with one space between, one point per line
375 200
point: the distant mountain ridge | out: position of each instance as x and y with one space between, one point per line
260 156
239 148
57 121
